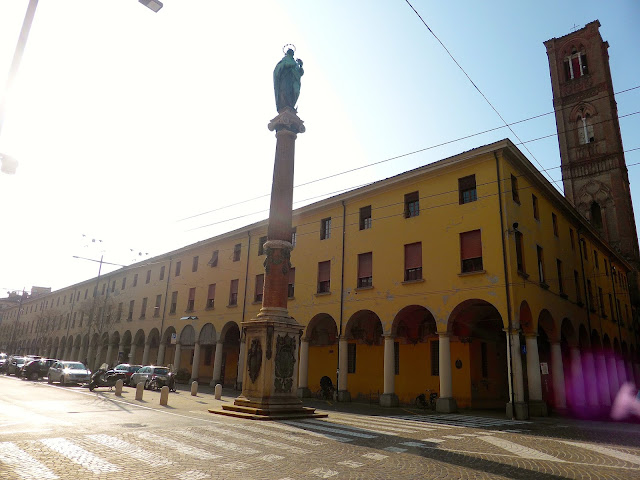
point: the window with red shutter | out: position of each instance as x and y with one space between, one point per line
413 261
324 277
365 270
471 251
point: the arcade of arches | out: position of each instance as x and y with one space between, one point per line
467 358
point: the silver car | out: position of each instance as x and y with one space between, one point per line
68 372
145 374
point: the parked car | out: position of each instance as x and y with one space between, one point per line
36 369
3 361
68 372
14 364
128 371
145 374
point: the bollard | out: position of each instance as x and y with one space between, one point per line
119 384
164 395
139 390
218 391
194 388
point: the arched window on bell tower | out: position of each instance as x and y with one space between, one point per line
585 129
575 65
596 216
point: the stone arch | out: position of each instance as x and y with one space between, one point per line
365 326
525 318
229 327
581 110
322 330
207 338
207 335
568 334
548 326
137 346
188 336
413 324
115 339
168 340
125 347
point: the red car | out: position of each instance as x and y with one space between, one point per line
128 370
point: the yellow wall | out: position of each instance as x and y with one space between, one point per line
323 360
369 378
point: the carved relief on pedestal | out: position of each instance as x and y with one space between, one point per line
285 363
277 255
254 359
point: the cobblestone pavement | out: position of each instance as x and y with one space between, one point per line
52 432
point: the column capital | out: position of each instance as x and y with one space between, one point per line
287 121
444 334
514 331
530 335
389 335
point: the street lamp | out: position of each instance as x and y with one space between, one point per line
154 5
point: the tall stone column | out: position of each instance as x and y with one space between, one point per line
590 379
537 407
145 353
108 359
446 403
303 371
557 375
195 368
121 349
217 364
604 390
241 367
177 356
90 355
132 353
521 411
577 377
161 349
343 367
389 397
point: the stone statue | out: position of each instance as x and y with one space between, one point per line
286 81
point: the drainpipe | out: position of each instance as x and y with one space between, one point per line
344 233
508 296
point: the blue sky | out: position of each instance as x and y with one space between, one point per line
125 121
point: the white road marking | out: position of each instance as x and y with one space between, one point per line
328 429
271 458
627 457
382 429
519 450
193 475
254 439
267 431
453 437
322 473
129 449
432 440
287 428
216 442
24 465
375 456
79 455
178 446
351 464
416 444
234 466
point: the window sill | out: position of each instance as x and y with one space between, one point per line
256 302
359 289
142 317
322 294
235 305
209 308
544 285
291 298
409 282
172 313
523 274
475 272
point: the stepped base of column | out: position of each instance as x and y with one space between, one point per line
389 400
538 408
304 392
446 405
280 409
521 411
343 396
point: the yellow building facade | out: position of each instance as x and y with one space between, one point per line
471 277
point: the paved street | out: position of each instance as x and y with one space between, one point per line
51 432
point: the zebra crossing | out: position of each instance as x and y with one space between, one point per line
193 453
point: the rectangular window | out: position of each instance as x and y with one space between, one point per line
560 278
124 283
435 358
365 217
596 264
590 299
324 277
162 272
143 310
484 360
261 243
259 288
236 252
194 265
576 281
104 287
135 280
118 316
325 228
131 307
541 275
365 270
411 205
601 301
351 358
211 295
233 292
214 259
536 212
113 288
514 189
396 357
611 308
174 302
292 283
156 308
73 323
191 301
413 261
520 252
178 268
572 240
467 189
86 292
294 236
471 251
148 279
554 222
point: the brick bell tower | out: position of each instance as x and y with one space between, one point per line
594 172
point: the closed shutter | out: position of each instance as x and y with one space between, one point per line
212 291
470 245
413 255
365 266
324 271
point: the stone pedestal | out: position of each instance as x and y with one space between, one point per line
521 411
